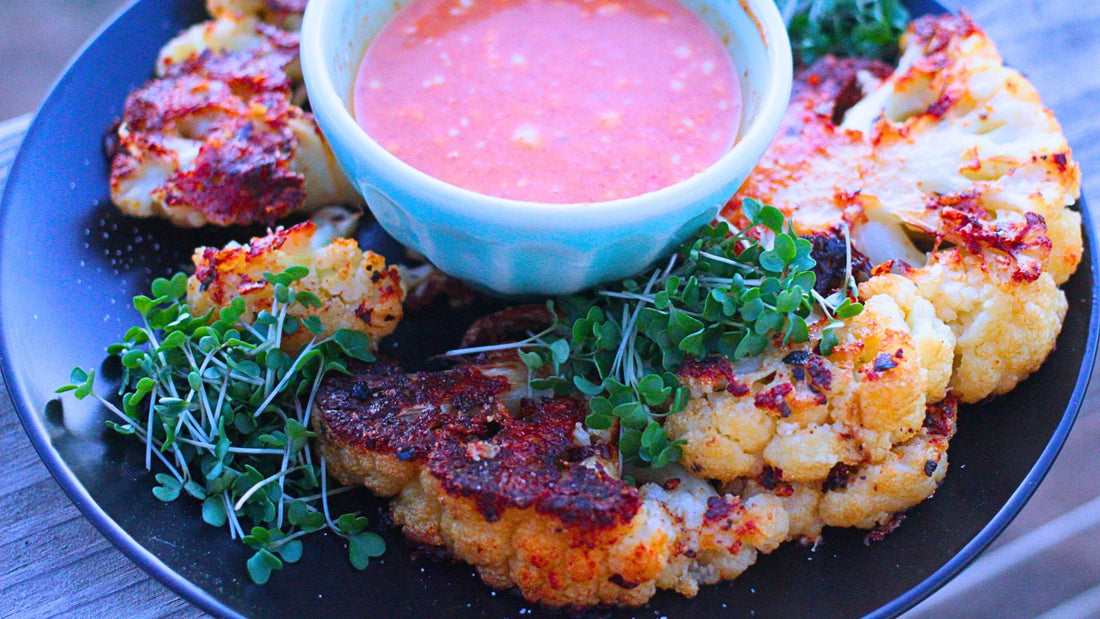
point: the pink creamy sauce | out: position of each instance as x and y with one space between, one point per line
553 101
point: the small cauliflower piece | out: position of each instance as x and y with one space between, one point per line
216 139
357 290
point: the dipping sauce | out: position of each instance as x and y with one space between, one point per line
553 101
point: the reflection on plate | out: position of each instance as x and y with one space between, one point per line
69 264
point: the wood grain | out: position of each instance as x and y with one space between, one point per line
53 562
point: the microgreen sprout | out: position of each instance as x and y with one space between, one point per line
862 28
725 292
226 413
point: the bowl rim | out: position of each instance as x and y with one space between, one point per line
755 136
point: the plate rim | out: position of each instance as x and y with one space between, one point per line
18 394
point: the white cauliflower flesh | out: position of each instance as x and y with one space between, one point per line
356 288
949 172
1004 328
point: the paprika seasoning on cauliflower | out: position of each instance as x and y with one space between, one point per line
357 290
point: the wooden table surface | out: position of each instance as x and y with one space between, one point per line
53 562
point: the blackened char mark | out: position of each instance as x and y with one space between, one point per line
883 529
380 408
934 32
830 252
245 179
250 74
617 579
714 371
508 325
456 423
534 467
830 86
775 399
939 418
838 477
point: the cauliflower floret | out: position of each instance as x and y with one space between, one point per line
716 537
1005 328
933 339
865 496
357 290
908 475
800 500
284 13
797 418
804 413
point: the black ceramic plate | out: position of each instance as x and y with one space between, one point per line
69 264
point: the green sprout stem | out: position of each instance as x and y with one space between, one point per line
216 401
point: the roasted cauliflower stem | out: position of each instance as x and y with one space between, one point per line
525 493
357 289
283 13
216 139
949 172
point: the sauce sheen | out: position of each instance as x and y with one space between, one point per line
555 101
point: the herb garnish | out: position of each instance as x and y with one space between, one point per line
863 28
725 292
227 414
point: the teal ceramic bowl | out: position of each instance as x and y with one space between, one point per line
528 248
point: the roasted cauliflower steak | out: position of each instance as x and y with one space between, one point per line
525 493
949 172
